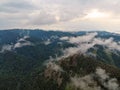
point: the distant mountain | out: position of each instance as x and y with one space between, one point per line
24 55
29 47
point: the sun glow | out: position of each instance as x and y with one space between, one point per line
96 14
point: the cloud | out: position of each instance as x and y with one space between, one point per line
40 17
110 43
111 84
20 43
85 42
47 42
90 82
83 83
83 39
64 38
53 66
83 48
101 74
23 42
60 14
6 48
13 6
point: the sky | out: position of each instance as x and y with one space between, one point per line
66 15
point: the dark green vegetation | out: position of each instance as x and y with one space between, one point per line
106 56
23 69
81 66
49 79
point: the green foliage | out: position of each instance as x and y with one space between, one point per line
23 69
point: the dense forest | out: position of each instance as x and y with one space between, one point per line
40 60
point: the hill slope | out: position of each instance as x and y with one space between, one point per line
58 75
24 52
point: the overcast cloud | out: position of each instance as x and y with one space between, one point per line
61 14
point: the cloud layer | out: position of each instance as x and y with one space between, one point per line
85 42
90 82
61 14
20 43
